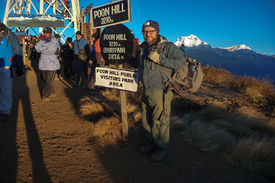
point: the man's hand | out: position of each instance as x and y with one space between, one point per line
2 27
154 56
19 72
70 45
135 48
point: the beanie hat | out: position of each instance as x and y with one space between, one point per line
78 33
69 39
151 23
47 30
95 35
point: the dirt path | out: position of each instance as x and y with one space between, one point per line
49 142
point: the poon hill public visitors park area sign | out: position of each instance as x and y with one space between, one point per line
116 43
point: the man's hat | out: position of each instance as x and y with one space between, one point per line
151 23
78 33
95 35
47 30
69 39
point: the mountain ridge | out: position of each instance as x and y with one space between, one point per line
239 59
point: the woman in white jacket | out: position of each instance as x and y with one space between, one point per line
49 48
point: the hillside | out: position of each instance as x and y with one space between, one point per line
52 142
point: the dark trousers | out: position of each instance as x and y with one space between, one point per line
78 69
85 69
58 72
92 74
68 70
48 88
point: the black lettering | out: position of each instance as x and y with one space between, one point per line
127 80
102 71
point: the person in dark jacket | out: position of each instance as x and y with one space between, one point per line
155 110
58 72
10 52
91 81
68 55
81 54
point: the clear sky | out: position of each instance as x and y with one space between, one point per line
217 22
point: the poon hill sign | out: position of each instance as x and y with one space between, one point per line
111 14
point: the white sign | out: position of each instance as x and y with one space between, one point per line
117 78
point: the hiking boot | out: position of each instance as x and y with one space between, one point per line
4 117
147 147
159 154
46 99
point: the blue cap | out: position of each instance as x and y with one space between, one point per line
47 30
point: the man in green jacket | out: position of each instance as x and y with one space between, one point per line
154 119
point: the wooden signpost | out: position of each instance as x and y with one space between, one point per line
116 44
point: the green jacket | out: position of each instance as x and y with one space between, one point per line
152 77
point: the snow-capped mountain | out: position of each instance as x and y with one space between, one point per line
238 59
190 41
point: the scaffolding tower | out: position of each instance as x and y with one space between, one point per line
71 12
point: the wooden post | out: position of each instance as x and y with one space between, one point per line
123 112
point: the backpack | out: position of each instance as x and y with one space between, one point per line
186 80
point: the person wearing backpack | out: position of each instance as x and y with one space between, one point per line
10 52
81 54
156 104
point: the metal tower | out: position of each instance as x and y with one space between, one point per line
71 12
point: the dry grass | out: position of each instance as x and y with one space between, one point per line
108 128
245 142
207 137
261 93
107 104
253 155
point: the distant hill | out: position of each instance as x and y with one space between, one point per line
239 59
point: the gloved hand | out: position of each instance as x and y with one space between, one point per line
57 52
154 56
19 72
2 27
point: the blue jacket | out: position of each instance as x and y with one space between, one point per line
7 50
82 44
49 57
170 58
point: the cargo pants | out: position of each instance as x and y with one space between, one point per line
152 108
48 88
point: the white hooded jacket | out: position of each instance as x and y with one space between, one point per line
49 59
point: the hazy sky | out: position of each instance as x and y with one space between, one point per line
219 23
